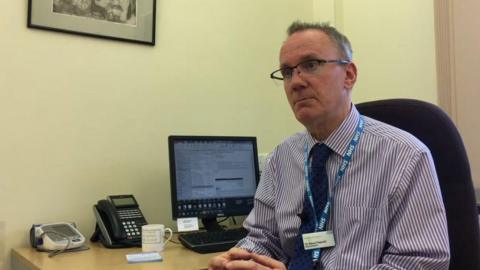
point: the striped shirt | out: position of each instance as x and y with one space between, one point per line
387 210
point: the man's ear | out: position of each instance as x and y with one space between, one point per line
351 75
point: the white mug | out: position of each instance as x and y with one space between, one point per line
153 237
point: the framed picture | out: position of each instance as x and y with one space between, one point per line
125 20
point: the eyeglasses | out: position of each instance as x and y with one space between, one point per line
311 66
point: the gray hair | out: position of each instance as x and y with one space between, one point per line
340 40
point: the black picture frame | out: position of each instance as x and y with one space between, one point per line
122 20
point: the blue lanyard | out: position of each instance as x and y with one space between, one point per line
320 223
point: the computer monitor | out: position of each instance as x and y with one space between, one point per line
212 176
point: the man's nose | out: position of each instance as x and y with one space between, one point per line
297 81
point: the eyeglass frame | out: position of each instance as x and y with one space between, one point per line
320 62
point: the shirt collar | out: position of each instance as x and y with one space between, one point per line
341 137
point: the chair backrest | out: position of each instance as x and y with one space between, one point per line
434 128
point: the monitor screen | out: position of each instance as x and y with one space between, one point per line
212 176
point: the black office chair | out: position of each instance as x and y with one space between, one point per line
435 129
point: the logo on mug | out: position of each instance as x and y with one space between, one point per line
153 237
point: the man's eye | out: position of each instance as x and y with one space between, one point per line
287 72
310 65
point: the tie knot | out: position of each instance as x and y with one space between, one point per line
320 154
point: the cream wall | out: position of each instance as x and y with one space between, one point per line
83 117
466 64
393 45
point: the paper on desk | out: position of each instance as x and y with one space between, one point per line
187 224
144 257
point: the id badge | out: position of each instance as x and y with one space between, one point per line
318 240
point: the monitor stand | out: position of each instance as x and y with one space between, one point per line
211 224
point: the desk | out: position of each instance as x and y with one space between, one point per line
175 256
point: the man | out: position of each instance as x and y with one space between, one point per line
384 204
74 7
122 11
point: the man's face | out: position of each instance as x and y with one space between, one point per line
102 3
116 10
323 97
120 9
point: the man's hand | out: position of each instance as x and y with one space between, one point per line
240 259
220 262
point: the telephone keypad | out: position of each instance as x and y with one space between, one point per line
132 220
132 228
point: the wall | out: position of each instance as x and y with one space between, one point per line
456 25
393 46
83 117
466 41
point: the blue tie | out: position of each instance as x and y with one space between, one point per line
319 186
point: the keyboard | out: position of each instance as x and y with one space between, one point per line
213 241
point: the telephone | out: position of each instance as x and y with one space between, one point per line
55 236
119 222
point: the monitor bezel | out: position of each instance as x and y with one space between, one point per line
173 185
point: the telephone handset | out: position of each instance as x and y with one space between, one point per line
119 222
